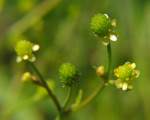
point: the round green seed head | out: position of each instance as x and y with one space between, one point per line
24 47
68 73
100 24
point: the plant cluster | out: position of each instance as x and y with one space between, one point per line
123 75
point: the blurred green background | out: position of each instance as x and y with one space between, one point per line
61 27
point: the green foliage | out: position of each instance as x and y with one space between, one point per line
65 36
69 74
77 100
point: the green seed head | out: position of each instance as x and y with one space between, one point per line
24 47
68 73
100 24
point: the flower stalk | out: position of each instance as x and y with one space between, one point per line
109 53
103 27
100 88
45 85
90 98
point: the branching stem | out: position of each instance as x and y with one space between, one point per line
45 85
100 88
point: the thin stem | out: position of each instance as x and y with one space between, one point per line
99 88
109 53
67 97
45 85
89 99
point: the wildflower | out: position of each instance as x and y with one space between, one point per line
125 75
100 24
68 74
104 27
25 50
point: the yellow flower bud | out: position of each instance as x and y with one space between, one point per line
26 77
100 71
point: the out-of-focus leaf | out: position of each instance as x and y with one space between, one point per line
78 99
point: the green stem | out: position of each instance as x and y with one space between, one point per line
67 97
90 98
109 53
45 85
99 88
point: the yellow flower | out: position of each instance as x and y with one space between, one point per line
125 74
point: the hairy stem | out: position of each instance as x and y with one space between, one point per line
45 85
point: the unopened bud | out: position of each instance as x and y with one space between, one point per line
100 71
26 77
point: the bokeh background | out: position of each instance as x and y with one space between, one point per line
61 27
